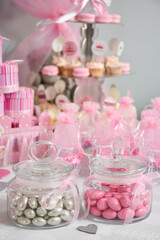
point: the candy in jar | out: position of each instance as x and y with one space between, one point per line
43 195
118 190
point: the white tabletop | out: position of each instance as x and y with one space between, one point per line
148 229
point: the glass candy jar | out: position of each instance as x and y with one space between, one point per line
42 195
118 191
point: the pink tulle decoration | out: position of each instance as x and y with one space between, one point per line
49 9
148 113
91 107
71 108
126 101
156 102
64 118
150 122
109 111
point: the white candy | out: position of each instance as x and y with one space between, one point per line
18 212
66 216
68 203
60 203
22 202
32 202
54 221
13 215
41 211
30 213
39 221
24 220
55 212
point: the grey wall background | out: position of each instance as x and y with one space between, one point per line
141 36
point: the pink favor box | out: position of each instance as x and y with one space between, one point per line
19 103
1 104
9 77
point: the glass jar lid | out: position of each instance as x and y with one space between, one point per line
118 167
45 165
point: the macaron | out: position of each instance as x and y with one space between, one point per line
50 70
126 68
103 18
80 72
116 18
85 17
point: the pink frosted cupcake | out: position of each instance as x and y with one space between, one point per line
1 104
9 77
68 69
48 73
80 72
19 103
96 69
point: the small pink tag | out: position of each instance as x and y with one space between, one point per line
4 173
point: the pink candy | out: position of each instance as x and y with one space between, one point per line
109 214
97 194
118 202
126 214
125 201
95 212
114 204
102 204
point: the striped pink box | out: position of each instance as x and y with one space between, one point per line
20 102
9 77
1 104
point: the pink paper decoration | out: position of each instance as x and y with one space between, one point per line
20 102
1 104
9 77
25 121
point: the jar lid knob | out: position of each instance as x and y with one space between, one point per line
117 149
45 153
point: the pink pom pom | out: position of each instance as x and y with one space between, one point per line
126 101
91 107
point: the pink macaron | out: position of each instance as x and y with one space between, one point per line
50 70
80 72
126 68
103 19
85 17
116 18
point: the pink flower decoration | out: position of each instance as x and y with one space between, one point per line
126 101
156 102
91 107
64 118
70 108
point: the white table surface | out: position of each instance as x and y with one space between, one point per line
148 229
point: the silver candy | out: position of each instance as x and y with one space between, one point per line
22 202
13 215
18 212
66 216
32 202
55 212
24 220
68 203
30 213
72 212
60 203
39 221
41 211
54 221
52 202
15 199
